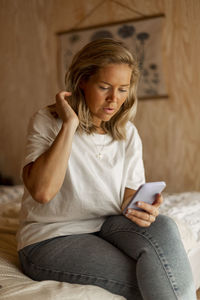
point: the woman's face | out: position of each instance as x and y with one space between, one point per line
106 91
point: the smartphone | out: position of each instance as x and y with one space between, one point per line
146 193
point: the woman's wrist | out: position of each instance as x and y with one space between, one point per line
70 124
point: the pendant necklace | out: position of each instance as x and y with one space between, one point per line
99 148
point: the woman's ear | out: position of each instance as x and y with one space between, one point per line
82 84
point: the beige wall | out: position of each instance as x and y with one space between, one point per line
170 128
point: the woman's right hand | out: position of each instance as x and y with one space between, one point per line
64 110
44 177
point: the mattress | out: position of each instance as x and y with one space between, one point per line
14 285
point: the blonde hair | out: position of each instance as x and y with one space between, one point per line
87 62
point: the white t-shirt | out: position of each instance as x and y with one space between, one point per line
93 188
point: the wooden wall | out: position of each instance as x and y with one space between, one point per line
170 128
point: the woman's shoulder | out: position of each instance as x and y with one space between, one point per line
132 135
43 112
45 118
131 129
47 113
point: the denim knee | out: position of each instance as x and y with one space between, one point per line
167 226
167 222
163 223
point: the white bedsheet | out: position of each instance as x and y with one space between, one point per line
184 208
14 285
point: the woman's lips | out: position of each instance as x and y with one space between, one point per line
108 110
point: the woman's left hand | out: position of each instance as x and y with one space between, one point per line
146 217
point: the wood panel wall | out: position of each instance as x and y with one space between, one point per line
170 128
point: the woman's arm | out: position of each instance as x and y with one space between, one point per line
142 218
128 194
44 177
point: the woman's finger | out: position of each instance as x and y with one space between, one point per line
158 200
149 208
146 216
63 94
152 208
64 110
138 221
140 217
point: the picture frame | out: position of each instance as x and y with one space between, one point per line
143 37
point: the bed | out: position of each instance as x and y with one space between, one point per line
184 208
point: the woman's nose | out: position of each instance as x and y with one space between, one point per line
112 97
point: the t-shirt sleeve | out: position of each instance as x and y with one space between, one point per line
41 134
134 166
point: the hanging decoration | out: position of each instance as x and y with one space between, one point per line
142 36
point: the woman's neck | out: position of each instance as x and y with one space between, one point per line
100 130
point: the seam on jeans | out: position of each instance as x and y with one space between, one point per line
77 274
161 256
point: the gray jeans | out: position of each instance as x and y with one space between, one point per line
135 262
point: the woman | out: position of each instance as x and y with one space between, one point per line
83 164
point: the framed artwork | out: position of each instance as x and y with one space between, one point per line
143 37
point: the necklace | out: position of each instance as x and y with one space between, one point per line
99 148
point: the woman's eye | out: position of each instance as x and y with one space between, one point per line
104 88
123 91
